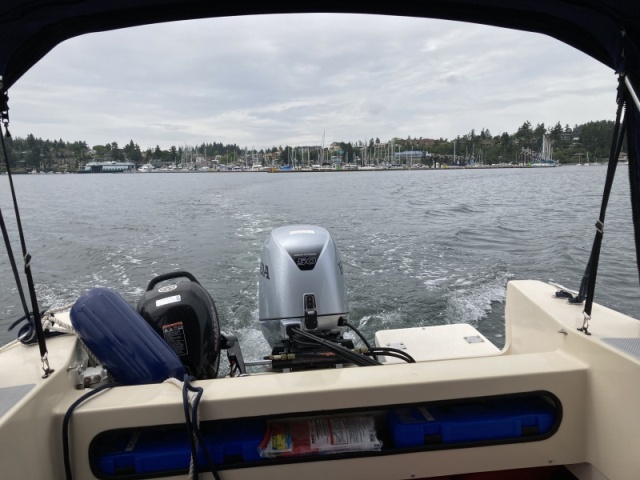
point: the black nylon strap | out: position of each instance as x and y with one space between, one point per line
588 284
35 311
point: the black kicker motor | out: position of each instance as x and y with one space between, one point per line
184 314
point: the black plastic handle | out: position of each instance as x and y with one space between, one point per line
170 275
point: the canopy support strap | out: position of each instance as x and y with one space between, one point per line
35 314
587 286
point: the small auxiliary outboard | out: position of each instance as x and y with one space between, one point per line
301 286
185 315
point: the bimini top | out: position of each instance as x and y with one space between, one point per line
607 30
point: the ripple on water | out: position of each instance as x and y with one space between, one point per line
419 248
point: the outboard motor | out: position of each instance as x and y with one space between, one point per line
301 284
184 314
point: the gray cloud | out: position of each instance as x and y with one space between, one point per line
276 80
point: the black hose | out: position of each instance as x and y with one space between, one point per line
359 333
65 425
342 352
391 352
364 340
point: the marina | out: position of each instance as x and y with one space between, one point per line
108 167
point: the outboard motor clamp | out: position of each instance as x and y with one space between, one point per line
185 315
301 284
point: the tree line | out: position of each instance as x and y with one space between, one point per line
569 144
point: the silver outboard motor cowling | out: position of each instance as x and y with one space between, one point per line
301 283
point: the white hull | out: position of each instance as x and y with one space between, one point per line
594 382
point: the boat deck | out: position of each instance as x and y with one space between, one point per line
544 355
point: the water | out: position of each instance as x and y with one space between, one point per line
418 247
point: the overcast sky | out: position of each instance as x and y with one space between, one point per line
287 80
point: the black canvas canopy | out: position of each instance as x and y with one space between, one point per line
607 30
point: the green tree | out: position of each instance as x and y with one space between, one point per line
525 133
31 141
33 157
596 137
555 132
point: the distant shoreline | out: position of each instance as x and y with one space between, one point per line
350 170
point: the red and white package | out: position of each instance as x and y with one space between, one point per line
320 435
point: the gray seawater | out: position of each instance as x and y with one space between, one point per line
418 247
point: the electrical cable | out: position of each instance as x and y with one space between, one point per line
359 333
391 352
342 352
349 355
352 327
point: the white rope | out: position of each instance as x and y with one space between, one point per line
62 308
51 321
54 322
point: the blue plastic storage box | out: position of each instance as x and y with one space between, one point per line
164 450
235 442
471 421
143 451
